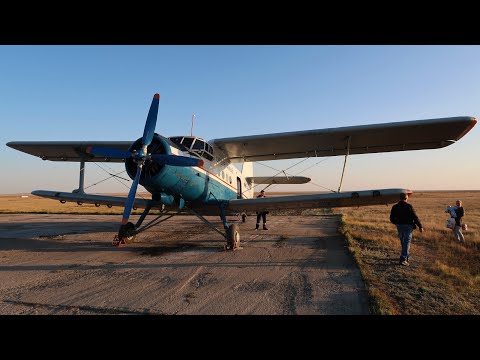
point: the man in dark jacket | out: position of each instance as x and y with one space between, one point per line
403 215
262 214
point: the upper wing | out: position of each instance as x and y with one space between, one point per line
398 136
68 150
342 199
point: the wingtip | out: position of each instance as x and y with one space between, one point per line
156 96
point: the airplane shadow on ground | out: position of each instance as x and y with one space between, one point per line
86 226
147 247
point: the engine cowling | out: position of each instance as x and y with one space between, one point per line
151 169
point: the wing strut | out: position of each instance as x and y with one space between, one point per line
345 162
81 182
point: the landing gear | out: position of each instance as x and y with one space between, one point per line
232 231
244 217
233 237
126 235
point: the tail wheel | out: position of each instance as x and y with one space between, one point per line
233 237
127 232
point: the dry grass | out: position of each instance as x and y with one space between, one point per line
443 278
15 204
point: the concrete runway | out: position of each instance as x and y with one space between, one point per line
65 264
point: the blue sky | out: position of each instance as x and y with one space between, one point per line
104 92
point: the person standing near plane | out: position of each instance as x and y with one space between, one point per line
457 230
262 214
404 217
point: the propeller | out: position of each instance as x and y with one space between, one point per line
108 152
140 156
174 160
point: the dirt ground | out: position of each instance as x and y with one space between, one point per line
65 264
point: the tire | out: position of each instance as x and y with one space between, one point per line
127 233
63 201
244 217
97 205
79 202
233 237
109 206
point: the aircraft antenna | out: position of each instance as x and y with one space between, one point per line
193 119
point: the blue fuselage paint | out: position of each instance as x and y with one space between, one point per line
190 183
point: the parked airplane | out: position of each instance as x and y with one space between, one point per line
189 174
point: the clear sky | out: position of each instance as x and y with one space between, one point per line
104 92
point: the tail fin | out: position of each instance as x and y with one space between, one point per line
247 171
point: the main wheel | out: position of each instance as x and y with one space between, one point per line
244 217
233 237
127 232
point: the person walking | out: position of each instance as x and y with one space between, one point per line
457 230
262 214
404 217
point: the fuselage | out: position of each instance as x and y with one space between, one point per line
216 180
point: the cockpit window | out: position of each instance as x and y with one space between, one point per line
176 140
198 145
187 142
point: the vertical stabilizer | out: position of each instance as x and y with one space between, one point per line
247 171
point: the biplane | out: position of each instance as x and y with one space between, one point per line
215 177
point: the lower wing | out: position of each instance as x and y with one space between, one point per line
94 199
311 201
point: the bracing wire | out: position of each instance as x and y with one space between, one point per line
115 176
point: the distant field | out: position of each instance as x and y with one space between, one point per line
444 277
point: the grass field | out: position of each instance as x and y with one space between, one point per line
443 278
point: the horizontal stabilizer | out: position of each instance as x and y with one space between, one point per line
277 179
312 201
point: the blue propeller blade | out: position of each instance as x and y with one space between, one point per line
131 197
108 152
173 160
151 121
